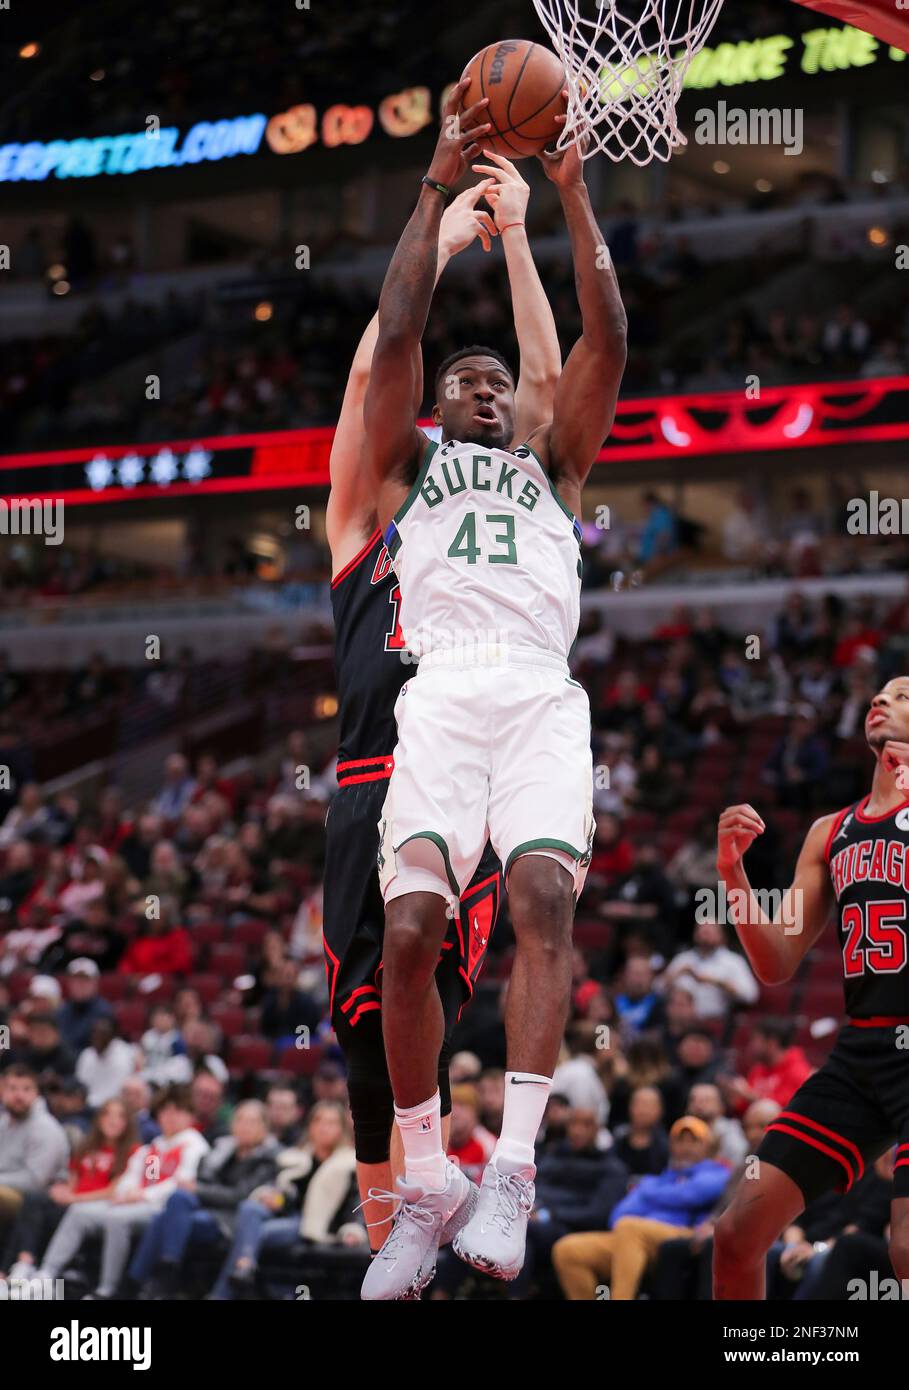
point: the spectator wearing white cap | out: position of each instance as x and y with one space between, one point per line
44 992
84 1005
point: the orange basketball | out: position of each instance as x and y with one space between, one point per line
524 82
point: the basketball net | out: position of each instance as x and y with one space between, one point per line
625 73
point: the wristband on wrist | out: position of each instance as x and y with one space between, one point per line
439 187
509 224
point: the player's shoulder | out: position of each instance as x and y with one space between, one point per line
820 835
537 444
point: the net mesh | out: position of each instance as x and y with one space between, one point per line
625 71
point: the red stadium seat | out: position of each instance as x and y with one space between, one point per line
132 1018
227 960
204 934
250 933
114 987
300 1061
208 986
231 1019
18 984
163 991
249 1054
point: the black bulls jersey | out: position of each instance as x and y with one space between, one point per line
869 867
370 660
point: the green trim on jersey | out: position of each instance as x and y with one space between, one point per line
420 479
552 487
563 845
443 849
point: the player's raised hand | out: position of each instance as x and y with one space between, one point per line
738 828
459 136
463 221
506 192
565 167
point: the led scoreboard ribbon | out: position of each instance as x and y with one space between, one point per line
698 425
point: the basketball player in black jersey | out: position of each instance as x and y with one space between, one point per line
855 864
372 666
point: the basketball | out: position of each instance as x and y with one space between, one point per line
524 82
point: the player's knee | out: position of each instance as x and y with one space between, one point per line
410 950
368 1085
540 900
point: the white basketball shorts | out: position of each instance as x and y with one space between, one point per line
487 751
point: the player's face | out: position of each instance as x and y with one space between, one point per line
888 717
476 403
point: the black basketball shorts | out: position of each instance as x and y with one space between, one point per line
845 1115
353 915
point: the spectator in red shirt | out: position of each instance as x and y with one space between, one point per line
94 1168
854 636
612 853
162 949
778 1071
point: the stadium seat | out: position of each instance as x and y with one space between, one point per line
132 1018
249 933
231 1019
206 934
18 983
227 960
208 986
300 1061
248 1054
114 987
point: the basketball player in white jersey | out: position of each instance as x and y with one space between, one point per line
493 735
354 914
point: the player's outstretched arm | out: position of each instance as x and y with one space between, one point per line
350 514
534 324
393 441
775 945
585 398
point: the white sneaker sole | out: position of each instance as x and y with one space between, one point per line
484 1264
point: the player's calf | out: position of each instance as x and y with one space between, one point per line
761 1209
540 894
540 899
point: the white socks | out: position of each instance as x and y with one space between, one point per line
526 1095
421 1134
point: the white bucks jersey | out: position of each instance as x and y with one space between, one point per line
488 555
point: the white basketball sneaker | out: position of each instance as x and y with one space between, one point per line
407 1261
494 1238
